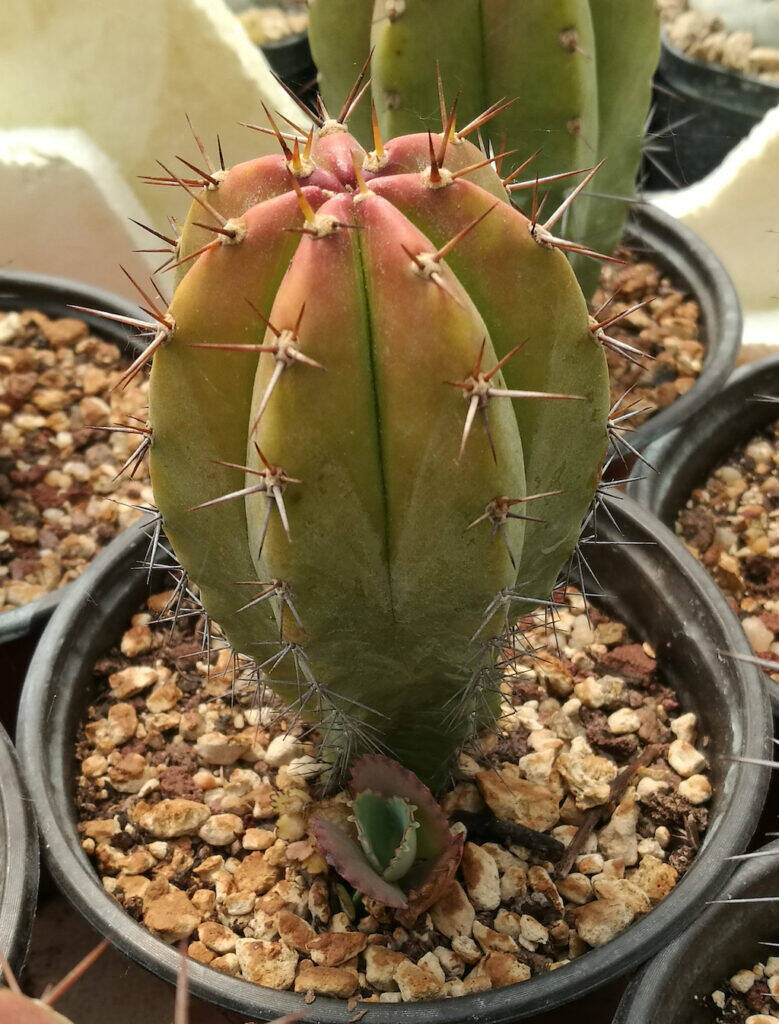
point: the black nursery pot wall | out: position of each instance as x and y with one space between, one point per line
713 109
290 58
654 586
693 268
724 939
20 627
19 862
685 458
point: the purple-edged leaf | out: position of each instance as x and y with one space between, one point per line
436 883
343 853
387 778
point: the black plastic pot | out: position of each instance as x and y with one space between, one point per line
661 593
722 106
693 268
19 860
725 939
20 627
685 458
290 58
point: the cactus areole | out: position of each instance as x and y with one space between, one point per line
378 414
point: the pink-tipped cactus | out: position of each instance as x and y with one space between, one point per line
17 1008
376 402
396 847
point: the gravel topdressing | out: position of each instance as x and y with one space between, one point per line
750 996
667 329
56 470
194 806
731 525
705 37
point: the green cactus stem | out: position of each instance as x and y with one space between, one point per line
581 70
378 415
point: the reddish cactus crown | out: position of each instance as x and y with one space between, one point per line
367 354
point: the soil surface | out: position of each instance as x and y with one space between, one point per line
272 23
58 468
704 36
665 331
194 805
731 525
751 996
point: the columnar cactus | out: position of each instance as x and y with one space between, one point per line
582 70
378 413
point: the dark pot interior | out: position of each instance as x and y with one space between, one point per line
654 586
685 458
724 939
722 106
290 58
19 862
20 627
694 268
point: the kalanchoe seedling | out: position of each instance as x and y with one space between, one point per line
582 70
396 846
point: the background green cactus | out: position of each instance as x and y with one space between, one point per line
580 69
305 441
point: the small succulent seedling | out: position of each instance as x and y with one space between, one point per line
378 414
582 70
396 846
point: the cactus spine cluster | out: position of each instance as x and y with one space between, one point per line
582 70
378 413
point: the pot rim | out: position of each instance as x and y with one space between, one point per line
689 260
727 835
19 860
677 456
642 991
52 296
731 84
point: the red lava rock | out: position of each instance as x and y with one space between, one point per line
177 781
630 660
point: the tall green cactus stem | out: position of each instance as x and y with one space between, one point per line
372 373
582 70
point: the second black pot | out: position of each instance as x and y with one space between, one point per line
725 939
686 457
712 107
654 586
21 627
694 269
19 862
